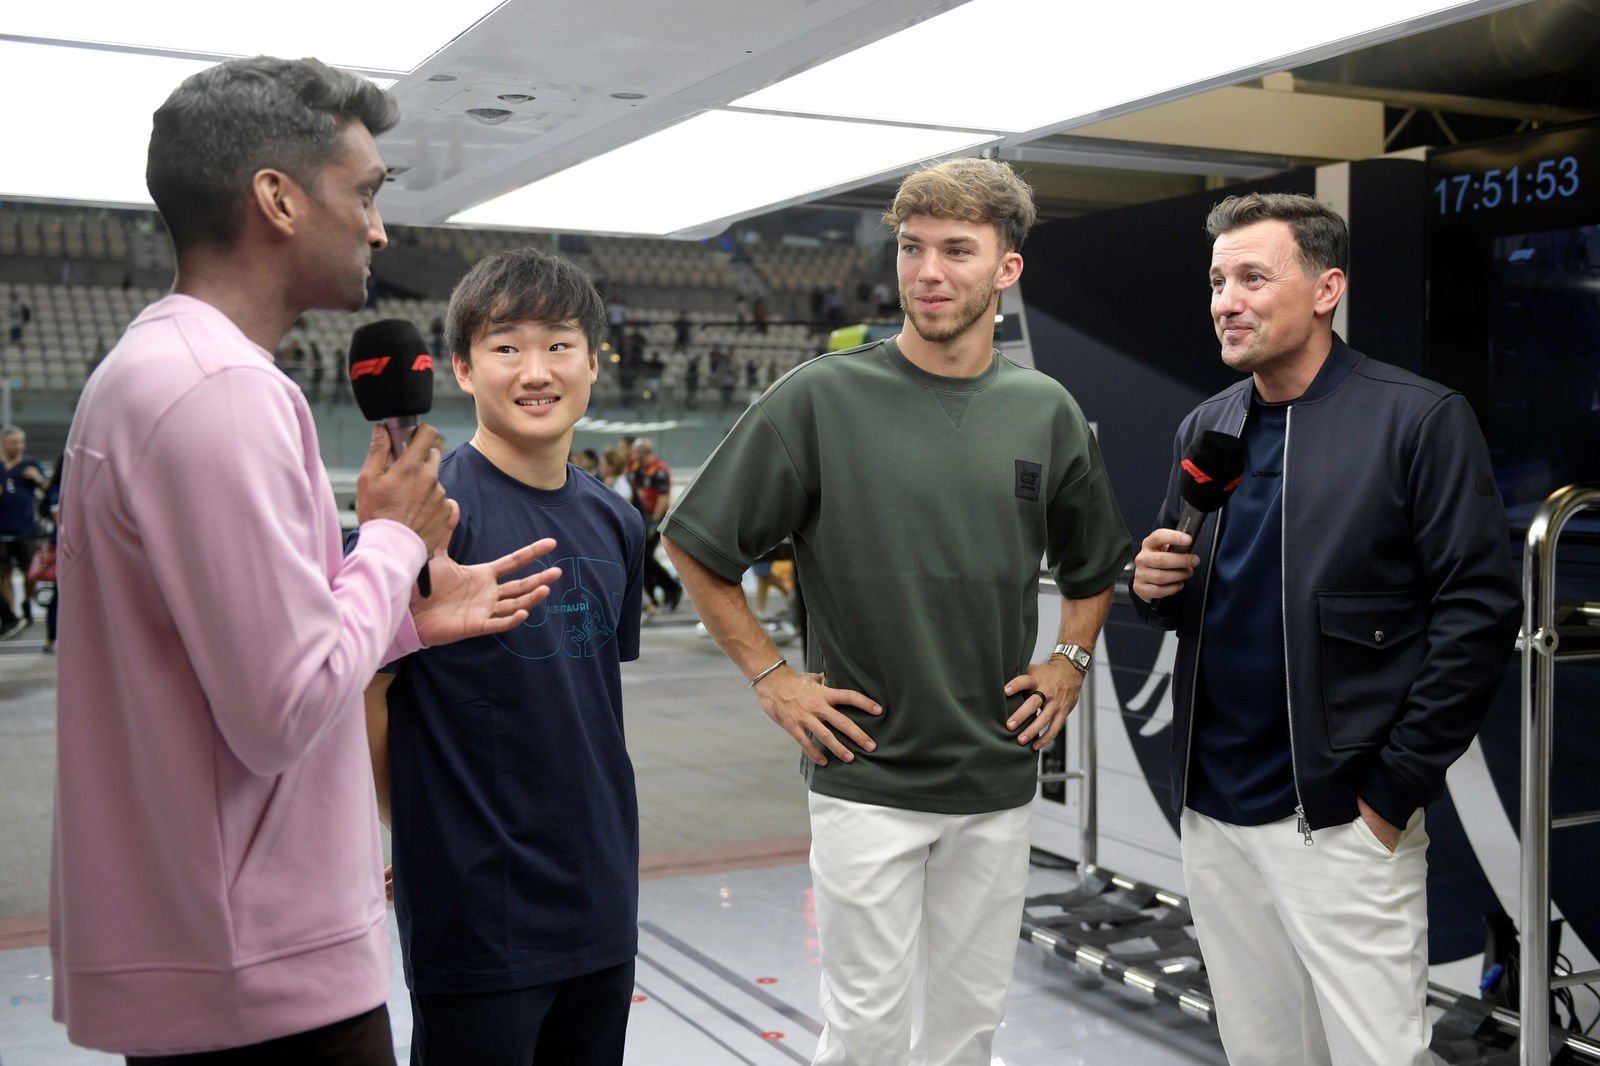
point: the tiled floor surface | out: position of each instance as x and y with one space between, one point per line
727 976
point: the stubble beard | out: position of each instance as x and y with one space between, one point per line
969 312
1243 358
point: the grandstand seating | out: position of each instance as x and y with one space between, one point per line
63 234
790 268
74 325
469 245
633 262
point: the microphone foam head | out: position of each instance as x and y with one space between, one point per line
1210 470
391 372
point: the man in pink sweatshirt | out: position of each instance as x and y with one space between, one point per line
217 885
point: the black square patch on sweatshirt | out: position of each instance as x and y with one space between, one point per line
1027 480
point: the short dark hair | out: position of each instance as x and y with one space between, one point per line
523 285
226 123
1319 231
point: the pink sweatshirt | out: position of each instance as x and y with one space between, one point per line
216 878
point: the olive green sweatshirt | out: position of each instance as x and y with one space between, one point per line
920 507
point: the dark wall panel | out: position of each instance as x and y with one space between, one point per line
1118 312
1388 281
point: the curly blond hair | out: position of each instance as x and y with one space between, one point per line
970 190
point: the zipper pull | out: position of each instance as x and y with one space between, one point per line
1301 826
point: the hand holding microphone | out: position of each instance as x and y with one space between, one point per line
1207 475
391 374
407 489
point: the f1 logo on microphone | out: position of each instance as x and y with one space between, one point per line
1201 477
366 367
423 362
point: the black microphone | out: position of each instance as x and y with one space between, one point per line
391 374
1207 476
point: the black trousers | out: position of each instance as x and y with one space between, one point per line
656 576
360 1041
581 1021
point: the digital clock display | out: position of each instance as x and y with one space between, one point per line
1512 226
1527 183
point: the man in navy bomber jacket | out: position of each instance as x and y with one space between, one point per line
1342 628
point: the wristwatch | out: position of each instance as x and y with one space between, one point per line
1076 655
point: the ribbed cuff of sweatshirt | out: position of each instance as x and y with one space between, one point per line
403 541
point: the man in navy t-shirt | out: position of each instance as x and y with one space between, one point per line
21 479
500 761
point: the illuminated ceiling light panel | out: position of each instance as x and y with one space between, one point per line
716 166
1018 65
396 37
82 97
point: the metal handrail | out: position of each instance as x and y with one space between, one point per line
1539 647
1089 779
1088 773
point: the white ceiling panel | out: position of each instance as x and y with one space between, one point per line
397 36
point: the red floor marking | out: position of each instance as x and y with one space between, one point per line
641 999
30 931
772 1036
766 980
754 855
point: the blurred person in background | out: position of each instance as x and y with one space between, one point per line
22 479
651 479
51 509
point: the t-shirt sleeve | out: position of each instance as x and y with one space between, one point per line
633 590
1089 543
748 496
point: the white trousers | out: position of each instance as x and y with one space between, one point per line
918 918
1316 955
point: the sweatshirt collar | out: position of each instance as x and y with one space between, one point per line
939 382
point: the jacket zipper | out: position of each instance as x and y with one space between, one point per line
1199 638
1301 826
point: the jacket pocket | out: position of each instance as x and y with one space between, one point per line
1372 647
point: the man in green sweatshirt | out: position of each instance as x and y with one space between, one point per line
922 478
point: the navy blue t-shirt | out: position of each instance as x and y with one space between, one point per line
1241 772
516 826
19 507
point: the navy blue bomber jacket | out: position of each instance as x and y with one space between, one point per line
1400 604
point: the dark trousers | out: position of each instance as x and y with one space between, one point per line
360 1041
581 1021
656 577
18 553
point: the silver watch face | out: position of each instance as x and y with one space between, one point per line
1076 655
